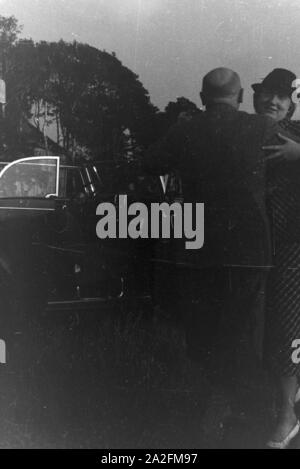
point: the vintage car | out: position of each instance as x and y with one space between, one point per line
49 250
50 256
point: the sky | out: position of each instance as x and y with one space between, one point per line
172 44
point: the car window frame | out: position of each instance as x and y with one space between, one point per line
32 158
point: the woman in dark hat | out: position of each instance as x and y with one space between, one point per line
273 98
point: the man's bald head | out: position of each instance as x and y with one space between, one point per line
222 85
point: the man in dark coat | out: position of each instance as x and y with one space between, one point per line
220 158
221 162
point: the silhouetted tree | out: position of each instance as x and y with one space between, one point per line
182 108
98 106
9 31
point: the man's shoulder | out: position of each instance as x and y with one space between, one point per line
257 127
185 128
255 119
237 123
232 115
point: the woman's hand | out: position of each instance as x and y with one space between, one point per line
289 150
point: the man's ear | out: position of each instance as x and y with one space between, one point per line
202 96
241 96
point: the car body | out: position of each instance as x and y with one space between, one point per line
49 249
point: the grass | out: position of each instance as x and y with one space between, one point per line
119 378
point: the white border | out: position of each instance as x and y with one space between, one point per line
30 158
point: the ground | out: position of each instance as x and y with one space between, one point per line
119 377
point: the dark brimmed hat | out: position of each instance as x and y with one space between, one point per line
279 79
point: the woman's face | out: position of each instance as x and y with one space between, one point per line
272 104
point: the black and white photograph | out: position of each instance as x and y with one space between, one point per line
149 227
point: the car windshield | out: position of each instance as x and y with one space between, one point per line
30 177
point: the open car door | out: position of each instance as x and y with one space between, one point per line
29 185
